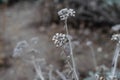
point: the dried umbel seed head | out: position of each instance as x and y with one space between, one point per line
116 37
65 13
19 47
60 39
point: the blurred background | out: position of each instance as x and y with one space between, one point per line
95 22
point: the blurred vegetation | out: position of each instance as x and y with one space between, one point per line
90 12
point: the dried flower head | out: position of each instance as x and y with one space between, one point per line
102 78
65 13
60 39
116 37
19 47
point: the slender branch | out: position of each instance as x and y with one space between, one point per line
115 60
61 75
71 51
50 72
38 70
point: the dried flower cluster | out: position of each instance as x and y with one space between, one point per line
65 13
60 39
22 45
19 47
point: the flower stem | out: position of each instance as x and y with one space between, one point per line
115 60
38 69
93 56
71 51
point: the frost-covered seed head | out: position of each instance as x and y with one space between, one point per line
65 13
19 47
116 37
60 39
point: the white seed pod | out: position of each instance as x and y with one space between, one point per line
60 39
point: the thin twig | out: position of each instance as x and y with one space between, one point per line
61 75
115 60
71 51
38 70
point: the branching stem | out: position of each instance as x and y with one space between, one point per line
115 59
71 51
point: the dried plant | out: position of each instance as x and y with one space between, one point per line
64 14
20 49
60 39
116 55
64 41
